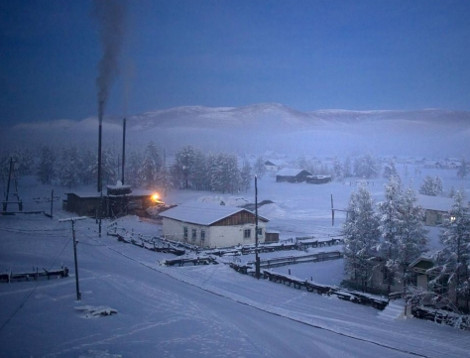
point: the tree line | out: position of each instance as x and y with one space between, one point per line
144 168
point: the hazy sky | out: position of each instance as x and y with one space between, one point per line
309 55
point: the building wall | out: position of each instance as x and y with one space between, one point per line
433 217
215 236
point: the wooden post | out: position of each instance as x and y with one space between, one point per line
257 260
332 211
77 286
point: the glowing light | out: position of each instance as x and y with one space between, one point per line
155 197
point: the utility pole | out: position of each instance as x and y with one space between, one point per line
72 220
257 260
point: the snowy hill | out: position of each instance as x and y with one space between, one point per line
269 127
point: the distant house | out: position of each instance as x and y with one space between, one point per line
270 166
290 175
318 179
211 226
436 208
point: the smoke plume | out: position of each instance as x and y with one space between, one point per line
111 17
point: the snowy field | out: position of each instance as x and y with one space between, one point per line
197 311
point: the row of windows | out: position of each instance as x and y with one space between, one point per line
247 233
202 234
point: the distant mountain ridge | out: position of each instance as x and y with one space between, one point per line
275 113
267 127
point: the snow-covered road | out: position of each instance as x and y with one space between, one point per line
207 311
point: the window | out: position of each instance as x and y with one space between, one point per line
193 234
203 235
247 233
260 231
185 233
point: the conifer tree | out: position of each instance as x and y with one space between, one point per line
46 166
454 259
391 222
361 237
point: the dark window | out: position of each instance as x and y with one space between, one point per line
247 233
193 234
185 233
203 235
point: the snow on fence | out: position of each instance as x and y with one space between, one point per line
149 243
443 317
283 261
355 297
181 261
35 275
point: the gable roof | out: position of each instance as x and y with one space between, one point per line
437 203
292 172
203 213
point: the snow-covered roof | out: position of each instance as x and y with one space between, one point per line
292 172
437 203
203 213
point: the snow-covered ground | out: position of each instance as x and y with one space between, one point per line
199 311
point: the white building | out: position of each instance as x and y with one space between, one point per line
211 226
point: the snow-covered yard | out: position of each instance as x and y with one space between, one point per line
132 306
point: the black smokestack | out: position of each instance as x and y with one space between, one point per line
111 18
123 148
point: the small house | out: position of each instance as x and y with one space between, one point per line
212 226
420 267
436 208
290 175
270 166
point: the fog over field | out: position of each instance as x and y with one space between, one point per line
261 128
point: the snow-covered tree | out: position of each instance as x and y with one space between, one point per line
454 259
412 241
150 165
462 170
68 167
391 222
390 170
366 167
87 162
184 168
224 175
338 169
246 176
347 168
109 166
133 165
361 236
431 186
46 165
163 180
259 168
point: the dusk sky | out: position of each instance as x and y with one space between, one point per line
308 55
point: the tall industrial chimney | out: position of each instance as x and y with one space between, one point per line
100 120
123 149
